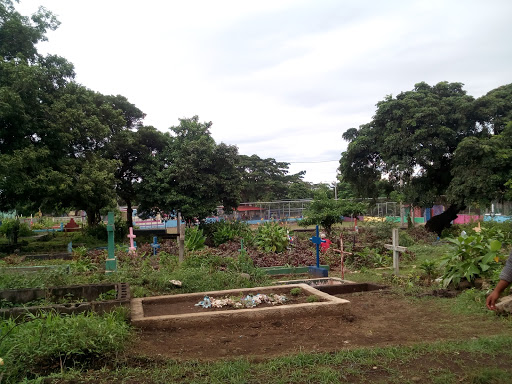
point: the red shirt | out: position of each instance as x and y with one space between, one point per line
325 246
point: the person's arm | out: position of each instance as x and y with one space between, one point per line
505 279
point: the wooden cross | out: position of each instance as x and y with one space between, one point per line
343 253
396 249
131 236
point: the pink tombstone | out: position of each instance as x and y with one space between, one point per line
131 236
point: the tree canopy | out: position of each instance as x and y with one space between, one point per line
192 174
267 179
422 141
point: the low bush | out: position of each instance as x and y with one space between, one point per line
271 237
221 232
53 342
194 238
475 256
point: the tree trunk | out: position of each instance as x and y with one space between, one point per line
439 222
92 218
129 218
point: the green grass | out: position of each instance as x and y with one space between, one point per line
35 347
474 361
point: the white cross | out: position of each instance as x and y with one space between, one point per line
131 236
396 249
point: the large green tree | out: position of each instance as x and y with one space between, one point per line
434 141
136 152
56 136
326 211
410 142
266 179
192 174
482 166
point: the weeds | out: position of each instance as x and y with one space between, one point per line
51 342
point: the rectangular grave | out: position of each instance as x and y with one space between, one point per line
143 309
336 286
86 296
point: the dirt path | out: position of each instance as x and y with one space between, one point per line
376 318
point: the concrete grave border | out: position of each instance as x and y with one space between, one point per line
330 305
88 292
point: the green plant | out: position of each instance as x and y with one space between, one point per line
369 258
12 229
221 232
99 231
312 299
429 267
194 238
79 252
271 237
295 291
42 223
475 256
51 341
109 295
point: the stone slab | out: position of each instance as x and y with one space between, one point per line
318 272
504 305
329 305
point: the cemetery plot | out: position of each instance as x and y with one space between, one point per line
181 311
98 298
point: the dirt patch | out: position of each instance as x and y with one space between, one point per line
372 319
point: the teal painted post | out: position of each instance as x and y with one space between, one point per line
317 240
111 263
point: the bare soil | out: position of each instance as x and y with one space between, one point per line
372 319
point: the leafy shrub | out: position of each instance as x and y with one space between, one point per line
43 223
13 228
99 231
53 342
405 239
295 291
475 256
271 237
368 258
429 267
194 238
420 235
221 232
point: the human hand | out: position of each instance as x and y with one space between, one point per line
491 300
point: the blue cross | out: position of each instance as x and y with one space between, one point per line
317 240
155 245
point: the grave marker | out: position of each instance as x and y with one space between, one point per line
155 245
72 226
111 262
181 239
131 236
343 253
317 271
396 249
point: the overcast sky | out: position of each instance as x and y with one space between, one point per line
281 79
